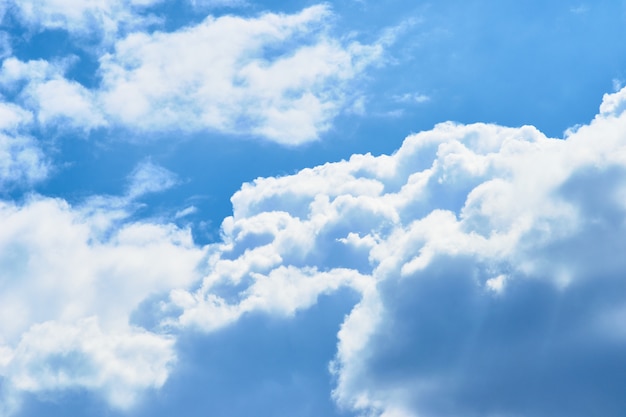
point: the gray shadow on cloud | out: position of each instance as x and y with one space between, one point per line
451 347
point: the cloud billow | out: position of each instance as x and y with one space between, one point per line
506 301
486 259
71 278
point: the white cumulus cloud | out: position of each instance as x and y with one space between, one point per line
54 99
22 161
282 77
71 278
487 258
220 75
103 18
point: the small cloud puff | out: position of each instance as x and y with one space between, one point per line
411 98
22 161
148 177
185 212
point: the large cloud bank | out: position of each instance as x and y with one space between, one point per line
489 260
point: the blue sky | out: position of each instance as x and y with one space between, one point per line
351 208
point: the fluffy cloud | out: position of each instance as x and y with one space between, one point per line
21 159
53 356
221 75
54 99
488 259
71 278
150 178
277 76
102 18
